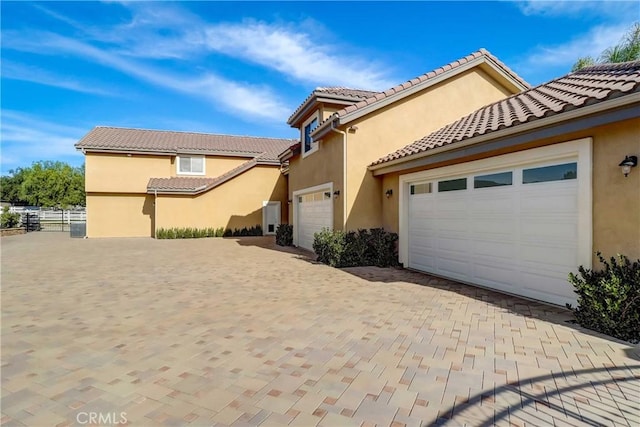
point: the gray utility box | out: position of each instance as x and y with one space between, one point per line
78 229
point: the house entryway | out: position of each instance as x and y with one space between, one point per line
270 217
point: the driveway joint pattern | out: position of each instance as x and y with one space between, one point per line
240 332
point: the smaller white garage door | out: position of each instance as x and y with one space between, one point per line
315 212
514 229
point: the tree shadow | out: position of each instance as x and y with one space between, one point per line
576 395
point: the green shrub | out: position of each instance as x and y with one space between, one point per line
609 299
197 233
9 219
356 248
284 235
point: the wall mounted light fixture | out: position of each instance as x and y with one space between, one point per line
388 193
336 194
628 163
327 195
289 201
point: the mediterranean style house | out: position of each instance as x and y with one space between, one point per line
343 130
486 180
138 181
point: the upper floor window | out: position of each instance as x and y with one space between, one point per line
309 144
190 165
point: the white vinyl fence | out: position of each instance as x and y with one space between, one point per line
36 219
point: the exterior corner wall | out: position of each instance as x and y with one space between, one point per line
400 124
325 165
235 204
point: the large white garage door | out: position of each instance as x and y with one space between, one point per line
314 213
514 229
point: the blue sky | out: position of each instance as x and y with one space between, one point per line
241 68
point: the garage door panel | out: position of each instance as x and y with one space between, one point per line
549 229
519 238
313 215
544 256
548 202
499 227
493 203
491 249
494 275
453 266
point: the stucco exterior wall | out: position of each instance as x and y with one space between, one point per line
235 204
400 124
320 167
121 173
616 199
119 215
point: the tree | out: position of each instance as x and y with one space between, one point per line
627 50
53 184
10 187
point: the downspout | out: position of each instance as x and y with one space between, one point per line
344 174
155 212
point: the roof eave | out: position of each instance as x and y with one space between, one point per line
426 84
309 105
400 164
127 151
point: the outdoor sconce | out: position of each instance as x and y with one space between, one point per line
289 201
388 193
336 194
628 163
327 195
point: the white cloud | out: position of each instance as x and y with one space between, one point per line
612 8
566 54
27 139
16 71
296 54
257 101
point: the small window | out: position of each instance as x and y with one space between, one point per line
550 173
421 188
309 144
493 180
452 185
191 165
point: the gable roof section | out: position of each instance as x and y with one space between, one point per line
112 139
334 95
195 185
574 91
396 93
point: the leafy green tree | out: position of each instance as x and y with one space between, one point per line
10 186
53 184
627 50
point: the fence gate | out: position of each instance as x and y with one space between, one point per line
49 219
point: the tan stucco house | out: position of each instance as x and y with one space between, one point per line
138 181
343 130
516 194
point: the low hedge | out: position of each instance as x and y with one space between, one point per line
609 299
374 247
196 233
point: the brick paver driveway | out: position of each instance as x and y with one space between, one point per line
236 332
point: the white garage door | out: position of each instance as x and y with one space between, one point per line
314 213
514 229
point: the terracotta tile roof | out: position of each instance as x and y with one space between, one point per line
452 66
170 142
196 185
338 93
582 88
